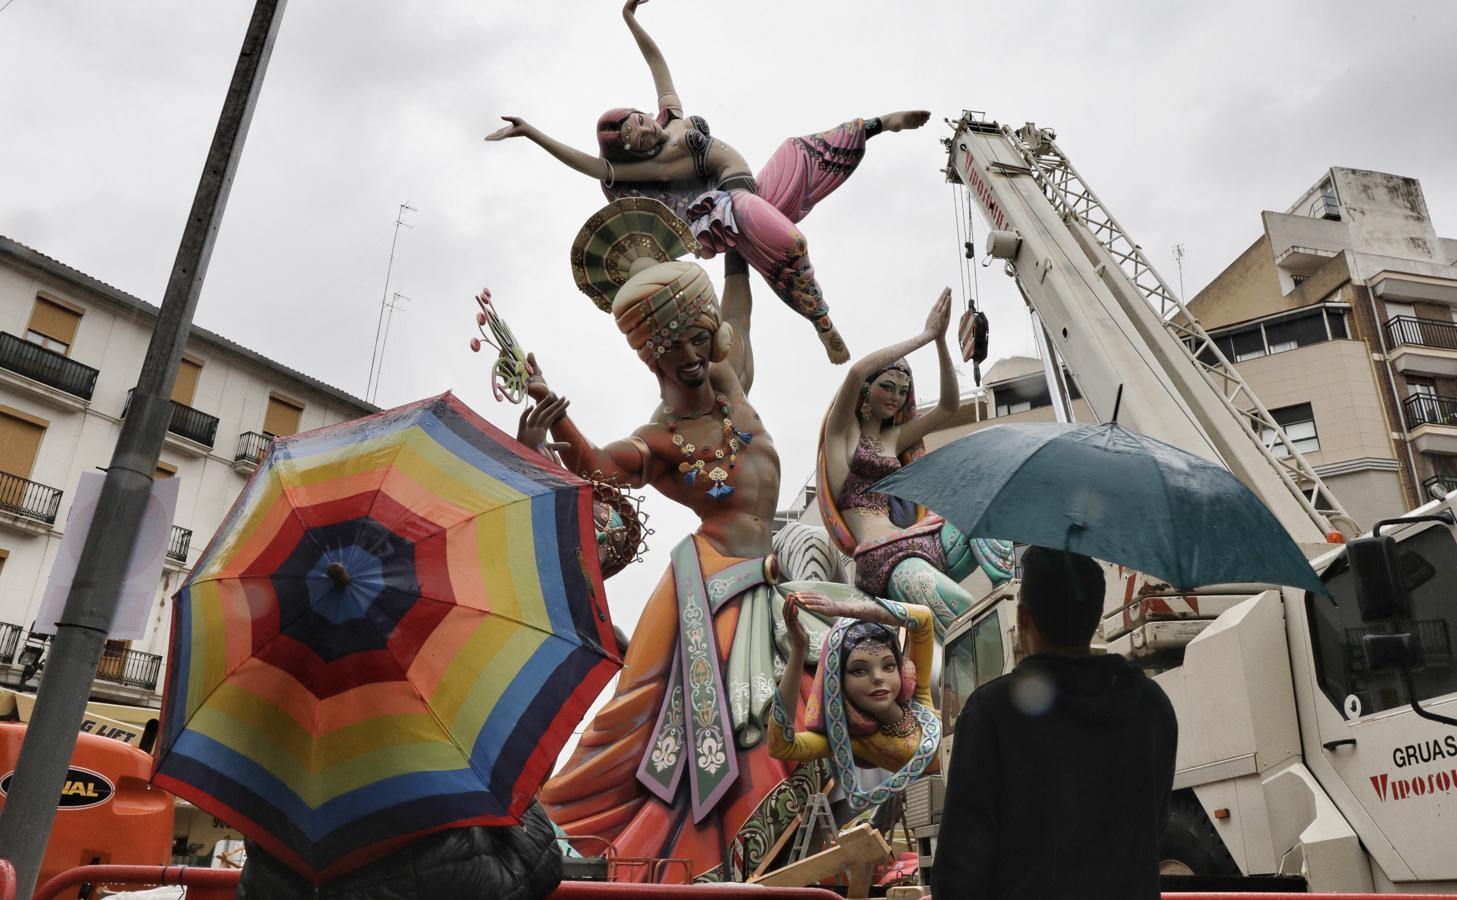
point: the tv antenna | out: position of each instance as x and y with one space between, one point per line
371 386
391 304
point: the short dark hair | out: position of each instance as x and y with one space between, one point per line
1064 593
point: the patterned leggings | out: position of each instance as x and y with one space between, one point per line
915 580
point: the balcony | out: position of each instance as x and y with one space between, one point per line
131 668
253 446
178 544
45 373
1431 422
1422 346
9 641
196 428
118 665
26 505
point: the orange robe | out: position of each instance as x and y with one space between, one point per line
598 791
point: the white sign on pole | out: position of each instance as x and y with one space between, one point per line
143 574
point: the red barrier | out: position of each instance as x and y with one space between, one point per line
201 883
7 880
592 890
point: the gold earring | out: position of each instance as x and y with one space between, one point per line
865 410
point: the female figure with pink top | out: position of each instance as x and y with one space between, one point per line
672 157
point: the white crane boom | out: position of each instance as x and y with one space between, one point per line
1096 294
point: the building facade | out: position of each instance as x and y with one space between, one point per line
71 348
1342 316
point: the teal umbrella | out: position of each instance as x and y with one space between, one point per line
1108 493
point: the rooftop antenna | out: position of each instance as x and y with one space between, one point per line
1179 261
392 304
371 387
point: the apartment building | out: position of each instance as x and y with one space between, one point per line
1342 316
71 348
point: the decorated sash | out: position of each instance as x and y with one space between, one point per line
694 732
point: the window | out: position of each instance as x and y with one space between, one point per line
971 661
20 437
1296 331
1007 409
1248 344
1337 629
1336 318
1420 386
53 325
1299 424
282 417
186 384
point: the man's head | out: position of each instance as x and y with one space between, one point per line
1060 601
669 313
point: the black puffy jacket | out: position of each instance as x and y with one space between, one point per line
519 862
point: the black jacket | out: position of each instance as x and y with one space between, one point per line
519 862
1058 784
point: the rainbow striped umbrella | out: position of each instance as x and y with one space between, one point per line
394 631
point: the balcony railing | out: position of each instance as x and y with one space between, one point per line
252 447
1430 409
1422 332
179 543
130 667
46 366
22 497
9 641
193 424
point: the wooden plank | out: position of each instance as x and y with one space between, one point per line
858 852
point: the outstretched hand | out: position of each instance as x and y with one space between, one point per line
516 127
862 608
629 9
536 422
939 319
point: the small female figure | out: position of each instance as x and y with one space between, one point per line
872 429
672 158
871 704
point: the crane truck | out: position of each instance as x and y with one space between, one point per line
1301 755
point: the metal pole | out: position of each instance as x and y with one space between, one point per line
30 807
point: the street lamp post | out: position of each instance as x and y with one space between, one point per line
30 807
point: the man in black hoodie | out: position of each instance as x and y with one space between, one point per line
1060 774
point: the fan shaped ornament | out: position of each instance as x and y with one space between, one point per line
511 371
618 235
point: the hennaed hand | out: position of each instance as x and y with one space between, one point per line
863 608
939 319
798 639
517 127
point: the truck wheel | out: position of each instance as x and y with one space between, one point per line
1190 845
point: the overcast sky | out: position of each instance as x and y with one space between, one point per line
1188 119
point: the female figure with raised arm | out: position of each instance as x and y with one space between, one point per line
870 704
900 552
672 158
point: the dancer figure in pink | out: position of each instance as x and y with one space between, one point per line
672 157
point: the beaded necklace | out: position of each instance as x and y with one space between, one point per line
693 466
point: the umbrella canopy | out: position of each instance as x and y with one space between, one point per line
1109 493
394 631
